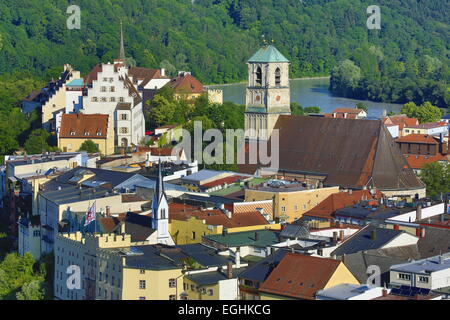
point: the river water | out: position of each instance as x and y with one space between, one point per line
312 92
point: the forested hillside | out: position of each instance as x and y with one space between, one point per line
213 38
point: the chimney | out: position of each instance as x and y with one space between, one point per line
238 258
422 233
373 235
256 236
341 235
108 211
335 237
163 72
224 232
384 292
230 270
229 214
419 212
350 191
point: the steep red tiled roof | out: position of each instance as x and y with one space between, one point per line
186 83
337 201
417 138
300 276
267 206
87 126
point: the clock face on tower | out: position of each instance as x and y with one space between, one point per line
278 98
258 98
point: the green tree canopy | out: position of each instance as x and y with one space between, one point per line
436 176
89 146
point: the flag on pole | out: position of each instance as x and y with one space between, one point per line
90 215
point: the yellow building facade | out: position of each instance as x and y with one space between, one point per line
104 273
290 205
192 230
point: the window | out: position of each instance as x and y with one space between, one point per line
105 79
296 207
103 99
121 99
283 209
278 77
172 297
172 283
210 292
141 298
112 99
163 213
259 76
102 89
94 99
72 133
123 116
423 279
142 284
111 79
142 271
113 89
192 287
123 130
36 233
404 276
193 235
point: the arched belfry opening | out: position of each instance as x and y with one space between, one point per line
277 77
259 76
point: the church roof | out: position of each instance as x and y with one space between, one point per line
268 54
349 153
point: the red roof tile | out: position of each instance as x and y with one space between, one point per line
186 83
337 201
87 126
218 218
300 276
418 161
417 138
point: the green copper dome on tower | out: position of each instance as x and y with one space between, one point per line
268 54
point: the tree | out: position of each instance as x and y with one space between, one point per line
89 146
424 113
38 142
362 106
345 78
33 290
436 176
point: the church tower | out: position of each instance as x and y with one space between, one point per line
160 212
268 92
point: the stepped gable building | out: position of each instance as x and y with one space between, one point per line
350 153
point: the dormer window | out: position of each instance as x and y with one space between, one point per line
72 133
86 133
99 133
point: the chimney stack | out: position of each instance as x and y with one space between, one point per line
238 258
335 237
419 212
341 235
384 292
256 236
373 235
108 211
230 270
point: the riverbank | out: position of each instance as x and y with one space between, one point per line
244 82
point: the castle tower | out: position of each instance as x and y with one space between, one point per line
160 212
268 92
